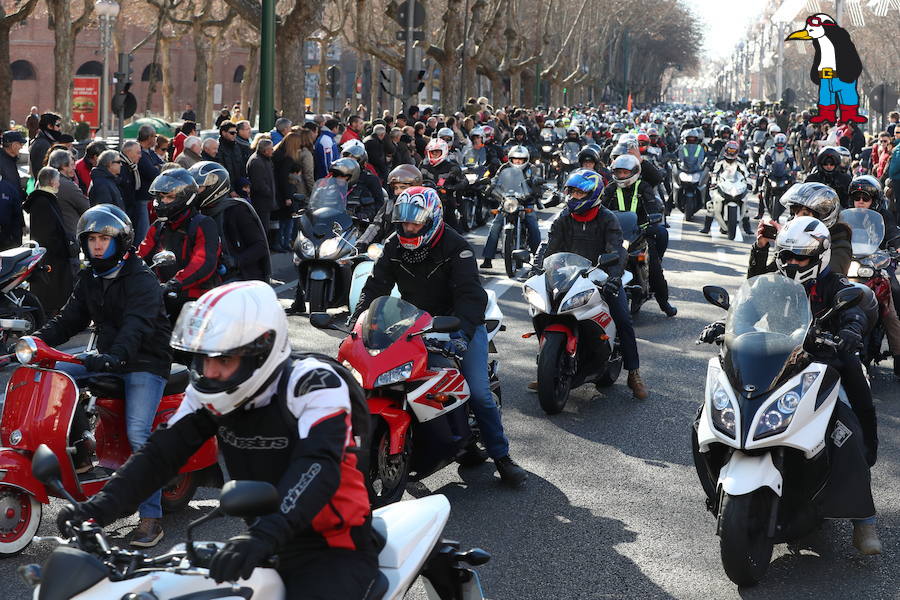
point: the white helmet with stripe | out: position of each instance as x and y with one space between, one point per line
242 321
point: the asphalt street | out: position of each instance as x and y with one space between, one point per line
612 508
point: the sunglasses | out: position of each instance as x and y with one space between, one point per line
642 144
116 162
817 22
233 132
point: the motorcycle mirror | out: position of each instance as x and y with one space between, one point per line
609 259
717 296
555 199
847 298
444 324
654 218
320 320
523 256
45 466
247 499
164 258
299 197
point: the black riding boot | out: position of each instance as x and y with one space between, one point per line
707 223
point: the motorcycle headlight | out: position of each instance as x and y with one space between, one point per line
723 410
25 349
472 177
853 270
374 251
865 272
546 148
778 413
686 177
576 301
534 298
510 205
330 248
396 374
307 248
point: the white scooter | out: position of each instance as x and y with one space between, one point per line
86 567
578 342
727 196
776 445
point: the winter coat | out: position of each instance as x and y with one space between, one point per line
72 203
187 158
590 239
104 188
231 157
47 229
262 184
38 149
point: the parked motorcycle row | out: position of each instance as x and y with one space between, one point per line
771 432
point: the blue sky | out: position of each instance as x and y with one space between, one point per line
725 22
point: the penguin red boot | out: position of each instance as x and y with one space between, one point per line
826 113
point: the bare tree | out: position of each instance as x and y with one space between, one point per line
8 19
65 31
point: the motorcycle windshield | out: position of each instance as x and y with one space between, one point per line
768 321
387 319
511 181
561 268
570 151
329 192
868 230
547 136
778 170
759 137
691 158
732 182
472 158
629 223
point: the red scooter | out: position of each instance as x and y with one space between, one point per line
417 396
40 408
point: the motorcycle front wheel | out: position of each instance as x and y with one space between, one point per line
553 383
732 221
177 495
388 474
469 219
509 245
318 295
20 517
744 542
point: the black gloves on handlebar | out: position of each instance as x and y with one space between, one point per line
172 286
240 555
101 363
69 513
611 287
850 341
712 332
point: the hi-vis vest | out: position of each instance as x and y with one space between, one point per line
634 198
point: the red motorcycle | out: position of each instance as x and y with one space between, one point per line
40 407
417 395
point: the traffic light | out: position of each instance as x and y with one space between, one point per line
415 83
125 71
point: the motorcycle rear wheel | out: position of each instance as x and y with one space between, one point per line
744 544
20 517
553 383
388 474
30 309
177 495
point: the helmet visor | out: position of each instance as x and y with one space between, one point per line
408 212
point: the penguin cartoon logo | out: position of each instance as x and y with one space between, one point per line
835 69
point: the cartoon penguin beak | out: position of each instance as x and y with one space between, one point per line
799 35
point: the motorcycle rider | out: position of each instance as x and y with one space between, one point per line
193 237
434 268
447 176
802 253
807 200
245 250
123 298
369 186
628 193
588 229
520 138
777 159
828 171
730 160
399 179
446 134
518 159
246 387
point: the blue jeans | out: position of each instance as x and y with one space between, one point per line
661 235
618 309
531 224
143 392
835 91
285 229
475 370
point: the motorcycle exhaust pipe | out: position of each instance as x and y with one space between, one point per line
14 324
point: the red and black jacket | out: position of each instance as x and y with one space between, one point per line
194 238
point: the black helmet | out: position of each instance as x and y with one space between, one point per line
828 152
105 219
589 153
345 167
519 129
213 178
868 186
174 181
357 152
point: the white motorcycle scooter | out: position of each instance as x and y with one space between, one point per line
86 567
776 445
578 342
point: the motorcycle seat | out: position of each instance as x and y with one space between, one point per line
109 386
10 258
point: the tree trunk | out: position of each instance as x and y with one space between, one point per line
375 88
168 90
201 77
528 98
63 56
357 80
210 80
515 87
5 75
322 100
290 54
249 98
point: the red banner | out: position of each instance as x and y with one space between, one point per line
86 101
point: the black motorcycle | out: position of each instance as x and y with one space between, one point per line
325 248
777 180
512 192
637 268
689 179
21 312
474 201
568 161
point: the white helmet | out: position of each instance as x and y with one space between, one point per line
805 237
774 128
241 319
630 162
354 143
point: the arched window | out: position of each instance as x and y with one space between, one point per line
157 72
91 67
22 70
239 74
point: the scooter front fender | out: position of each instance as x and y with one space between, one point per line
15 470
397 420
744 473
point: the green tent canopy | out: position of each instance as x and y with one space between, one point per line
162 128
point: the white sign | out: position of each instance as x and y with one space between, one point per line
217 93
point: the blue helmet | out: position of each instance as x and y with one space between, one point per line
587 181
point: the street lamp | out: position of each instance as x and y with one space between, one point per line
107 11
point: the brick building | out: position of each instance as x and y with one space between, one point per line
31 58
